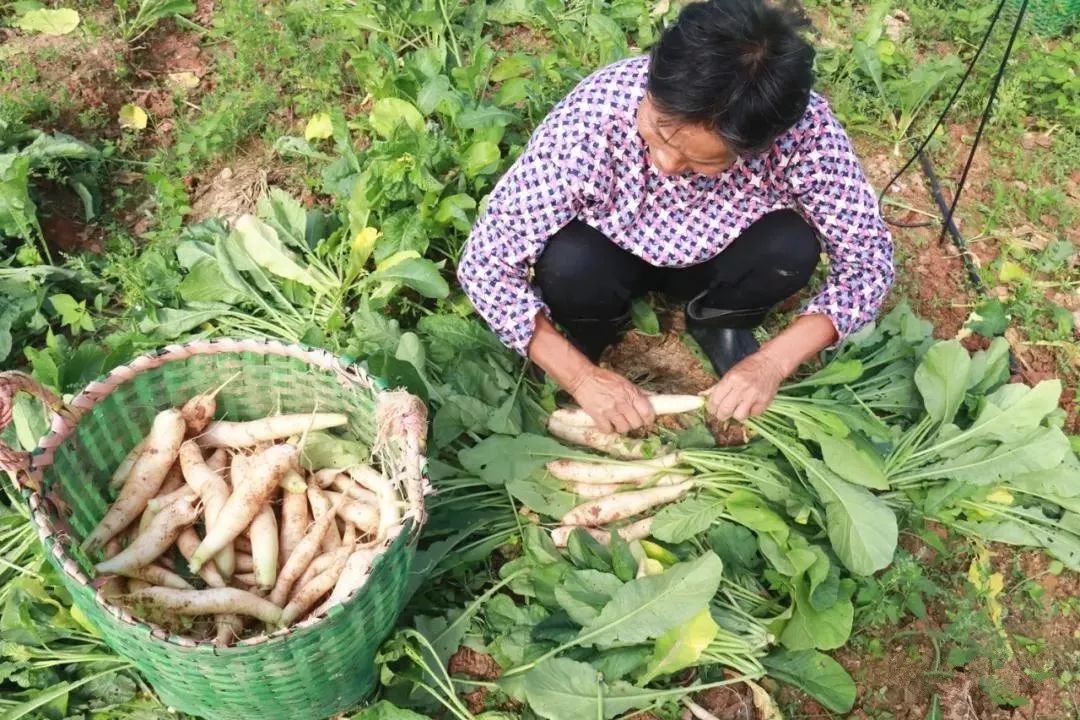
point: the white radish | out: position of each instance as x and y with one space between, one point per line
147 476
301 557
244 563
320 565
676 404
624 505
246 580
353 577
611 444
320 506
174 480
248 497
661 405
364 517
349 535
200 410
277 427
161 502
316 588
389 499
242 544
294 482
218 461
214 492
294 521
188 542
634 531
135 585
113 586
159 576
595 490
123 470
599 490
229 628
216 601
344 484
263 534
158 538
325 478
611 472
170 491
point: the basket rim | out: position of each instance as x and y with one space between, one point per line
350 374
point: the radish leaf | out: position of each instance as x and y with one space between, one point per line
683 520
650 606
816 674
942 379
681 646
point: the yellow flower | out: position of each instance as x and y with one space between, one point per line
1001 496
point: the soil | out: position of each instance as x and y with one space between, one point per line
472 664
901 681
733 702
60 212
230 190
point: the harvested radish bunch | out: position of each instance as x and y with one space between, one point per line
223 531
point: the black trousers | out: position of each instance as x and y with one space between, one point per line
588 282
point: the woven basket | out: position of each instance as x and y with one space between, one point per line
314 669
1048 17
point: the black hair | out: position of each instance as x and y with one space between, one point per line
738 67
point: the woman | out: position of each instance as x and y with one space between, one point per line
709 172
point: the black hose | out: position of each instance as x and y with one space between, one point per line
948 225
984 119
952 100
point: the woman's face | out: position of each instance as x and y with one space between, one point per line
677 148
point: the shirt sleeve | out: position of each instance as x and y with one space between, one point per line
563 169
835 196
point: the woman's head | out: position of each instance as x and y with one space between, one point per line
726 80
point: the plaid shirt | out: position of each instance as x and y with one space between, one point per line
586 160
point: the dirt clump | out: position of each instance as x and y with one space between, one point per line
61 217
662 362
229 191
470 663
732 702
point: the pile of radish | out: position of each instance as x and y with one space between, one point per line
627 482
220 532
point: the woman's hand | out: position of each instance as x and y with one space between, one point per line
612 401
747 389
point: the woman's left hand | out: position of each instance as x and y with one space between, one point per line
747 389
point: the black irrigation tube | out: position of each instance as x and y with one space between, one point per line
949 225
948 210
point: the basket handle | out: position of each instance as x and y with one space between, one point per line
16 462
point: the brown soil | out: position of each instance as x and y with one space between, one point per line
660 362
478 666
61 215
733 702
81 73
901 682
515 38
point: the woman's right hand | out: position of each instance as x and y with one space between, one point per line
612 401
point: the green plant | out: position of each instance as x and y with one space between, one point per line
136 21
25 153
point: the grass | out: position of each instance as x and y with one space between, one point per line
269 66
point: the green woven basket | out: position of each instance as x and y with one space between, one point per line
313 670
1048 17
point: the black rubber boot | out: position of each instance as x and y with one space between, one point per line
593 337
726 336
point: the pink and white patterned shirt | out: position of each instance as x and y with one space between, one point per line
586 160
